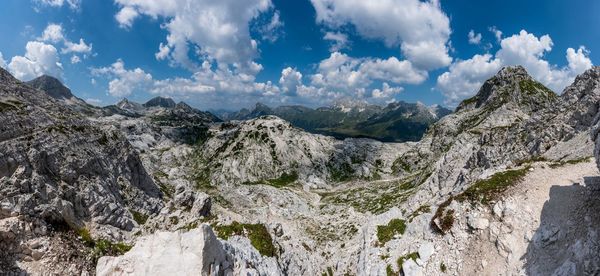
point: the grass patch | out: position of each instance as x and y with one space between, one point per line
140 218
102 247
423 209
412 256
488 190
569 162
284 180
387 232
257 233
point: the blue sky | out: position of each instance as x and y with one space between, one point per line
232 53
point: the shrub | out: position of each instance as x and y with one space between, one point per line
387 232
257 234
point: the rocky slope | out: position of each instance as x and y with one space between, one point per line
282 201
59 171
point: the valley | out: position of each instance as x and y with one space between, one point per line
506 184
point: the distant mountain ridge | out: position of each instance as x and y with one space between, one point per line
396 122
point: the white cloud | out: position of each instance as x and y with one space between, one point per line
124 81
218 30
420 28
163 52
339 41
474 38
75 59
2 61
579 60
342 72
273 30
80 47
54 33
290 80
386 91
465 77
497 33
39 59
73 4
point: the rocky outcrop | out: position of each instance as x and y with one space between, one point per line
197 252
58 169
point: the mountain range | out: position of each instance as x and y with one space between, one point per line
396 122
505 184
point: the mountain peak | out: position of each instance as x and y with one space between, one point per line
160 102
6 76
511 84
52 86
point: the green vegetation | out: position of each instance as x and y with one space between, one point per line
446 218
387 232
389 271
376 198
257 233
532 87
483 191
284 180
140 218
400 164
487 190
443 267
102 247
342 173
413 256
569 162
423 209
4 107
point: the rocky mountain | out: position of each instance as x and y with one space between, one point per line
160 101
506 184
52 86
396 122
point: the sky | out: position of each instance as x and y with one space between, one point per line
230 54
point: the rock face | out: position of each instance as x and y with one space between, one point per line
58 169
52 86
197 252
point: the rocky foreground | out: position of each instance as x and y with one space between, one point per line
505 185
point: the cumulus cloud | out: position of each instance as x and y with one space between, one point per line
420 28
39 59
217 30
465 77
73 4
272 30
124 81
474 38
386 91
290 80
340 71
54 33
339 41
